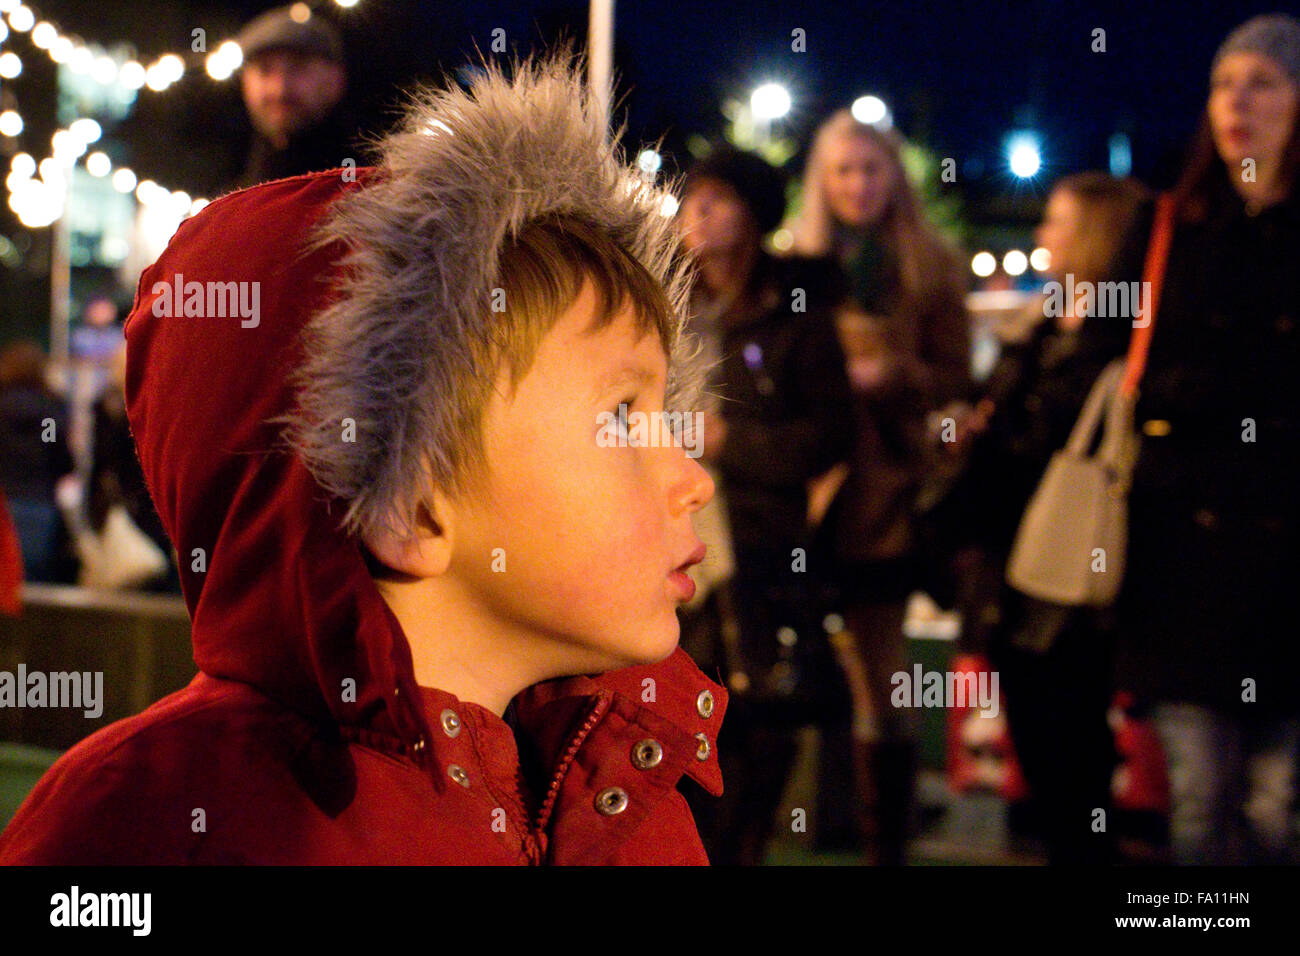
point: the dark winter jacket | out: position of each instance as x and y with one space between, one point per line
115 476
30 466
1208 608
324 145
786 400
305 738
927 341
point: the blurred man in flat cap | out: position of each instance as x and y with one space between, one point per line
293 81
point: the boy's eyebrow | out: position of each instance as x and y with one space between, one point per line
631 374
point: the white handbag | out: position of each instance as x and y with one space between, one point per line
120 556
1070 546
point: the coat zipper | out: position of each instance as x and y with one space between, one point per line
575 744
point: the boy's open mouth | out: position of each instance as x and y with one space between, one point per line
695 557
680 580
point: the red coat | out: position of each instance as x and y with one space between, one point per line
270 756
11 564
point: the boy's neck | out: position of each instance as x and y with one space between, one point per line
453 647
459 646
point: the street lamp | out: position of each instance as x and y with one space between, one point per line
871 111
1014 263
1023 155
768 102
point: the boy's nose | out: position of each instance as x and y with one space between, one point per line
695 487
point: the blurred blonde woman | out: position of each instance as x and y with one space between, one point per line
859 207
905 290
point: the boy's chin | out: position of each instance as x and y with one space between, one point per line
648 647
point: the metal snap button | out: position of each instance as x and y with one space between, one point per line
702 752
704 704
458 774
611 800
647 754
450 723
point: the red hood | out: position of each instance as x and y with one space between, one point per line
286 603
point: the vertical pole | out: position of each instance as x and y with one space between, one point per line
600 52
60 289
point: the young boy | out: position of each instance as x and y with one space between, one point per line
400 538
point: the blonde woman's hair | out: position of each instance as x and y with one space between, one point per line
925 262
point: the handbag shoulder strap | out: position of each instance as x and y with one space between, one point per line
1153 277
1098 401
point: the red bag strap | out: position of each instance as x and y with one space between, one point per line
1153 277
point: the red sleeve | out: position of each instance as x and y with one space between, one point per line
11 564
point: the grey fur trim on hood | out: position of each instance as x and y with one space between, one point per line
464 172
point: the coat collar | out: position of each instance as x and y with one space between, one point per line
667 703
672 697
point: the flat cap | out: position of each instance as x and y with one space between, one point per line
285 28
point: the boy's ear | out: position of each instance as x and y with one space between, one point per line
426 551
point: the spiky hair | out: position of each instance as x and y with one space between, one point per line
406 349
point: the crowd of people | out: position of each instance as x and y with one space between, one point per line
76 494
827 448
857 460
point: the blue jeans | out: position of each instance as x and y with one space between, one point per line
38 525
1231 785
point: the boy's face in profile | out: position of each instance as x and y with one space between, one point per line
591 536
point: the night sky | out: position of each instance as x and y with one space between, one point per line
957 75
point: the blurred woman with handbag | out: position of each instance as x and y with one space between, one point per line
1054 660
123 545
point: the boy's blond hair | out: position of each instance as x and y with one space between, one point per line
509 195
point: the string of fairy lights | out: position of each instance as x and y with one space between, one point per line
38 189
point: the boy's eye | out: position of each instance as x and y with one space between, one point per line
621 413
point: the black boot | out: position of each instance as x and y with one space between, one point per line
895 776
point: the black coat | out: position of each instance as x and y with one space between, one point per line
1209 595
786 400
116 476
322 146
871 527
31 467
